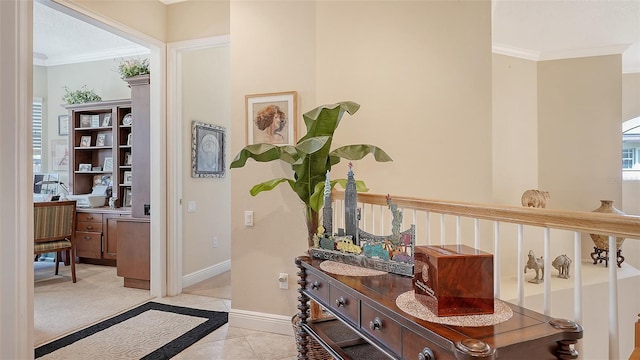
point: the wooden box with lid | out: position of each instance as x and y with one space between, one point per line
453 280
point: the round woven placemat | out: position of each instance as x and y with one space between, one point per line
348 270
407 302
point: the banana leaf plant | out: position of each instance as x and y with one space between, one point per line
311 159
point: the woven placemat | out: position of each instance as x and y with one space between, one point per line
348 270
407 302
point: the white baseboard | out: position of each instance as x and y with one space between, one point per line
206 273
251 320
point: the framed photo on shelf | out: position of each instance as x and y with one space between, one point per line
84 167
63 124
85 121
106 121
128 159
126 178
207 150
108 164
85 141
271 118
95 120
100 139
129 142
126 197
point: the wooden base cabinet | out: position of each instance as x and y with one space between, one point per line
366 323
134 259
96 238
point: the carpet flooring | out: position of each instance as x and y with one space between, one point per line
152 331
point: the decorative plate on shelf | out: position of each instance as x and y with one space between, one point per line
127 119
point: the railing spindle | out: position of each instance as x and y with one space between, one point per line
496 259
520 253
547 271
613 299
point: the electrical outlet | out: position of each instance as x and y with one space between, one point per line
248 218
283 281
215 241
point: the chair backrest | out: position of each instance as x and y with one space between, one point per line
54 220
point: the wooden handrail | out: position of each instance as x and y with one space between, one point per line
627 226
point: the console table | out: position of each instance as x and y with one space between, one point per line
366 323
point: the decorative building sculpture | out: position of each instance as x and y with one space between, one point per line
351 207
352 245
327 210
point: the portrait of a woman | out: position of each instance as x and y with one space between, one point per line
270 126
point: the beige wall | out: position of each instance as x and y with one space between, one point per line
630 96
426 100
197 19
272 49
205 98
147 17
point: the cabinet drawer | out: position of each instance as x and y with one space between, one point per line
88 217
318 287
88 244
382 328
89 226
345 303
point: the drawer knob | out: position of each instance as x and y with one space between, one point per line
89 227
375 324
315 285
87 237
426 354
341 301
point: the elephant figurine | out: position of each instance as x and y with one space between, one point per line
562 264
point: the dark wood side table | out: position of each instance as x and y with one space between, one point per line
367 324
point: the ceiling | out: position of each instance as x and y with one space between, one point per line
530 29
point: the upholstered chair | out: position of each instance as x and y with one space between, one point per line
54 224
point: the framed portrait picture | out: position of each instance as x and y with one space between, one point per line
271 118
128 159
129 139
85 141
126 197
101 139
108 164
106 121
207 150
59 155
63 124
126 178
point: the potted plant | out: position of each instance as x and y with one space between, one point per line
311 159
80 96
133 67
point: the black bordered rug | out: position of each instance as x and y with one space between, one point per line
149 331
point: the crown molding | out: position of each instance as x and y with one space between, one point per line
557 54
43 60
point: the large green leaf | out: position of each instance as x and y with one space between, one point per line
359 151
316 201
268 185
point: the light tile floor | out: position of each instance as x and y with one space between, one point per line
227 342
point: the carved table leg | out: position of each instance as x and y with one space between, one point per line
302 339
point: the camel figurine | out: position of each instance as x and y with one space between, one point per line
537 265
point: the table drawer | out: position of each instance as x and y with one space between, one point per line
345 303
89 226
413 345
382 328
88 217
88 244
318 287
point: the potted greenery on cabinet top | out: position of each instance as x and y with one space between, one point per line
80 96
311 159
133 67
